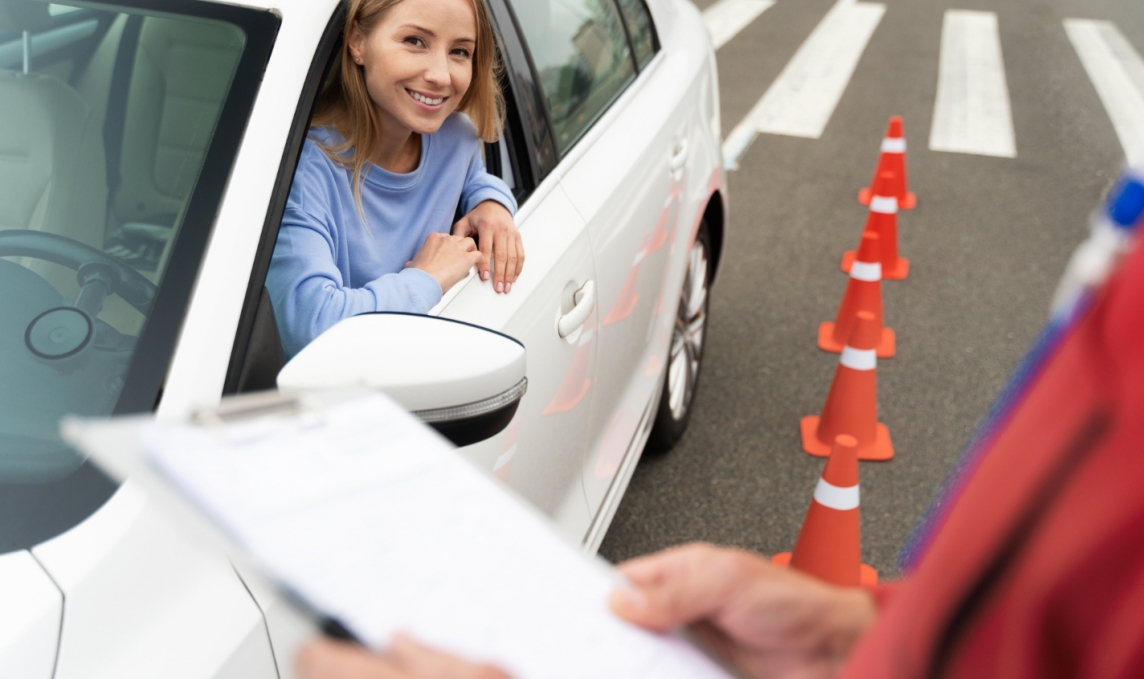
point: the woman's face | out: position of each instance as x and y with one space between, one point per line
418 61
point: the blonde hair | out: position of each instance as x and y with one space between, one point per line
345 103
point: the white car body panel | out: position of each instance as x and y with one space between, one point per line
624 188
143 602
289 629
539 452
31 607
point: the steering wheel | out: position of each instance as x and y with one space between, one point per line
65 331
121 279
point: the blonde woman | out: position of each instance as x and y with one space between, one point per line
394 147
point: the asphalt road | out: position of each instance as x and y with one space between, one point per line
987 243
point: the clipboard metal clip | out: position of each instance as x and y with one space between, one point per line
248 407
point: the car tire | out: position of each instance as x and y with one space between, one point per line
685 353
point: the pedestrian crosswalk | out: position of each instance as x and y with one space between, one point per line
972 111
802 99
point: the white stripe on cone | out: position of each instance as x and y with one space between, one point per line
859 359
891 145
886 205
836 497
866 271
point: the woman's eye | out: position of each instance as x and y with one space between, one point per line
461 52
415 41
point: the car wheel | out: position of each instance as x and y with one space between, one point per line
685 356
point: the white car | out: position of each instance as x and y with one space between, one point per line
146 152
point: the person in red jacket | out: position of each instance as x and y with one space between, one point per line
1031 566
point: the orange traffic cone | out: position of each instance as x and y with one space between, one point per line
863 292
829 545
883 220
893 159
852 405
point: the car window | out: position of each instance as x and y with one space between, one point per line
582 59
640 29
101 170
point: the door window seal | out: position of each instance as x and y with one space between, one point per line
540 137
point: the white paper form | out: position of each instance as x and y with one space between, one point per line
372 519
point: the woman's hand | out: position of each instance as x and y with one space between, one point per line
405 659
767 621
500 242
446 258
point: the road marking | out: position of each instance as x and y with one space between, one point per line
801 100
1117 72
726 18
972 113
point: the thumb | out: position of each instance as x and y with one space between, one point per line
463 227
680 586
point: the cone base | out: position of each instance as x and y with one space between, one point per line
908 203
867 576
898 272
879 450
887 345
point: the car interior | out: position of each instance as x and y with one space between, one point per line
106 120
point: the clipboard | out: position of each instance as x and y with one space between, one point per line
114 445
331 474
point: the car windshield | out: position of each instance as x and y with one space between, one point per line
110 128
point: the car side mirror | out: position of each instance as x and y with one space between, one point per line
463 380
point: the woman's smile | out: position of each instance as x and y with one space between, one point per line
428 102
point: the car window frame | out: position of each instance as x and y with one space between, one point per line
528 97
655 45
299 128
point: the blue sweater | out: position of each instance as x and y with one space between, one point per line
327 265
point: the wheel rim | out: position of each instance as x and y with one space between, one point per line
688 335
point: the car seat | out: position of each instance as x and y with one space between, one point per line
180 74
52 171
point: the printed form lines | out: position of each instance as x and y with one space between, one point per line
802 99
1117 72
972 112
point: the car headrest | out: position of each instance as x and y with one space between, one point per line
24 15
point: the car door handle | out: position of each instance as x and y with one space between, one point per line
584 299
679 155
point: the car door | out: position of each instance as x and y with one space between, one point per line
614 105
552 310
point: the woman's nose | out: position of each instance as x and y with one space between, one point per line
437 71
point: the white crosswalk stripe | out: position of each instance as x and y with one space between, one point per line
726 18
803 98
1117 72
972 112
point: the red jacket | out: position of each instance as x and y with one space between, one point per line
1038 570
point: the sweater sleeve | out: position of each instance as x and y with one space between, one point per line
480 186
308 292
